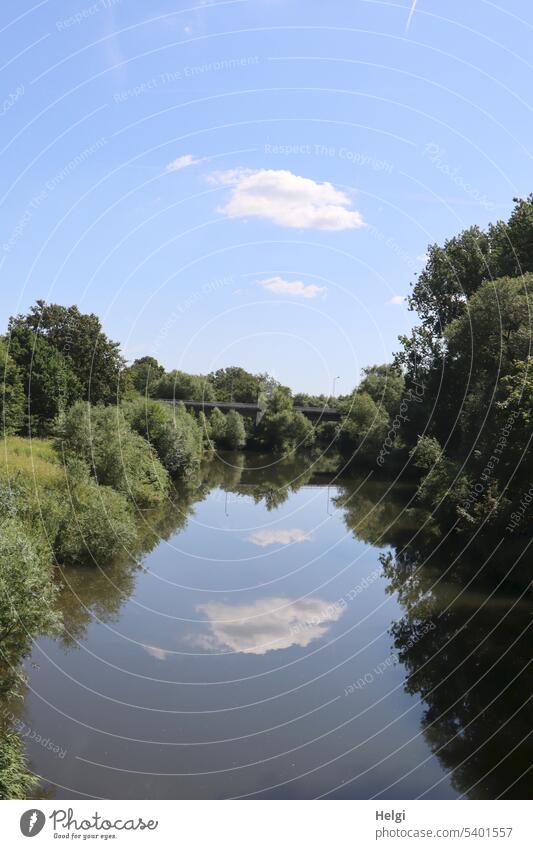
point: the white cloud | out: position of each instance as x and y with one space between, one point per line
181 162
293 288
266 624
281 536
287 199
155 651
423 258
397 299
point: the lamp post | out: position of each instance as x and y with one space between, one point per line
335 379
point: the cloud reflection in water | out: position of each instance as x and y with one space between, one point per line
266 624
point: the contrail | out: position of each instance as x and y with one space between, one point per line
411 13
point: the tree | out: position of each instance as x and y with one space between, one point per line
235 384
235 436
363 428
385 384
11 393
50 385
78 338
217 427
145 373
181 386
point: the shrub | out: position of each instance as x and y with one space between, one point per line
97 524
16 782
235 432
27 593
117 456
177 438
217 427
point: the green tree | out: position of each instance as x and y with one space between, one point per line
386 386
235 436
180 386
363 428
235 384
217 428
78 338
50 385
11 393
145 373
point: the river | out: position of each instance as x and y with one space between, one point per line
286 634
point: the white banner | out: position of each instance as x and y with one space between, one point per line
266 824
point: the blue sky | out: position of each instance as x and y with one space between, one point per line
253 182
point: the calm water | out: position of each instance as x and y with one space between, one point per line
286 636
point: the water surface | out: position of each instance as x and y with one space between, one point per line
285 635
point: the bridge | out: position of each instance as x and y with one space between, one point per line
323 414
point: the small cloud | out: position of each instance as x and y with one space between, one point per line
281 536
287 199
267 624
423 258
292 288
181 162
156 652
397 299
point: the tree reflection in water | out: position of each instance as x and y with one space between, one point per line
465 637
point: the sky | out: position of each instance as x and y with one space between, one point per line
253 182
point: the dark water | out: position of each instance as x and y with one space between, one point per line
284 636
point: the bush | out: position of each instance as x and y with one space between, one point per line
97 523
235 432
16 782
217 428
177 438
117 456
27 593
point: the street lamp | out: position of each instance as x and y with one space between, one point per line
335 379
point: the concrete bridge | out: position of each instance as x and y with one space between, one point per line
324 414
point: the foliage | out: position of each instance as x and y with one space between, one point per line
363 428
78 339
235 384
98 523
176 437
144 374
385 384
471 356
217 427
282 429
11 393
235 436
180 386
49 382
117 456
26 592
16 781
